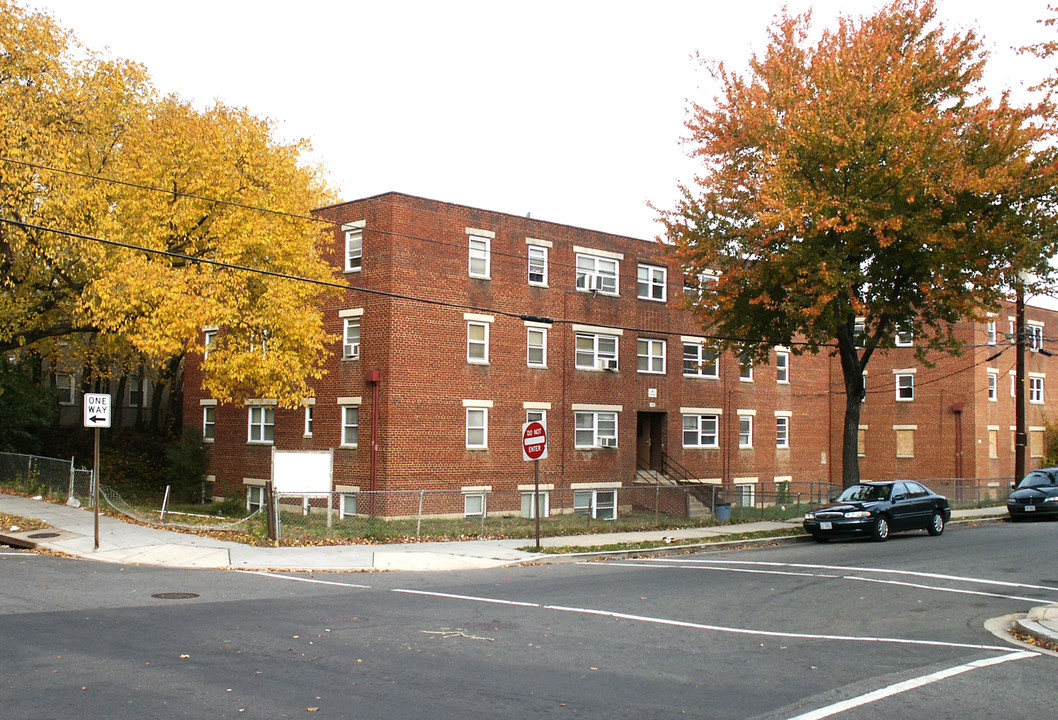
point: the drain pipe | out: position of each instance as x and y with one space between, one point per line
375 378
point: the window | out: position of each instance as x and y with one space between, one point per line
701 431
905 387
595 429
537 265
701 283
474 504
990 332
745 494
782 367
651 283
479 256
539 416
477 428
1036 442
262 424
597 274
859 332
745 369
309 415
209 423
993 385
745 431
600 504
904 337
993 443
905 441
1035 337
543 504
782 431
351 341
259 340
210 343
477 342
651 356
137 392
347 505
861 441
64 383
350 425
255 497
354 249
699 362
1036 389
596 351
536 347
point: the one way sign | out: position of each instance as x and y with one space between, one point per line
96 410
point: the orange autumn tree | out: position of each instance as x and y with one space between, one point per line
857 184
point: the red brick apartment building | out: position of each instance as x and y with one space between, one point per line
462 324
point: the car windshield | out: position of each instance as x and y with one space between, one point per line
862 493
1036 479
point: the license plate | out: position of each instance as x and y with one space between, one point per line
826 526
1030 508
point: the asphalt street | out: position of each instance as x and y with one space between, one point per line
850 630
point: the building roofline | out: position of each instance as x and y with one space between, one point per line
397 194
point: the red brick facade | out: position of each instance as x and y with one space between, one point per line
414 295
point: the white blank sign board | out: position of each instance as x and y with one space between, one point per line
302 472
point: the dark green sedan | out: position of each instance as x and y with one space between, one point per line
876 509
1036 496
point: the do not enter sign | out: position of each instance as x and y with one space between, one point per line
534 441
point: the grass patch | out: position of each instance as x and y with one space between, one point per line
652 544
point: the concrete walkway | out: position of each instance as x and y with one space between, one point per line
72 532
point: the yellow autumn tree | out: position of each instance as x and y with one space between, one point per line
186 200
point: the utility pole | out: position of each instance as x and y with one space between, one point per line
1020 436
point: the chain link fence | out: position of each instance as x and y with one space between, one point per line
420 515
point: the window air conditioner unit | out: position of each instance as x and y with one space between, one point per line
352 350
608 442
610 365
591 283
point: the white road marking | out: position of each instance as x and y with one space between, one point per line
912 573
905 686
301 579
705 565
703 626
495 601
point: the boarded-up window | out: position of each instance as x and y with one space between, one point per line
1036 443
905 443
861 442
993 444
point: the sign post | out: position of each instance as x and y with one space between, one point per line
96 415
534 447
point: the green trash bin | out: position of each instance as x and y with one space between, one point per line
723 512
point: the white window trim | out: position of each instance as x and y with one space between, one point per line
539 246
993 385
206 423
482 237
785 355
652 282
69 394
596 256
701 416
1035 331
990 332
350 230
351 351
597 439
1036 379
477 320
746 415
263 406
652 343
484 427
700 344
905 373
344 407
541 328
782 420
310 413
597 358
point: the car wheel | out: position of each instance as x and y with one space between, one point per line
936 525
881 529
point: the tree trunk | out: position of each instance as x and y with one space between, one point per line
852 370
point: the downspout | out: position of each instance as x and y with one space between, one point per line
374 377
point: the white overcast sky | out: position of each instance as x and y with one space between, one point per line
571 111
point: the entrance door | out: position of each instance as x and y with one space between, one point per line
650 440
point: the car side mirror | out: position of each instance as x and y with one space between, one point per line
898 498
1013 486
